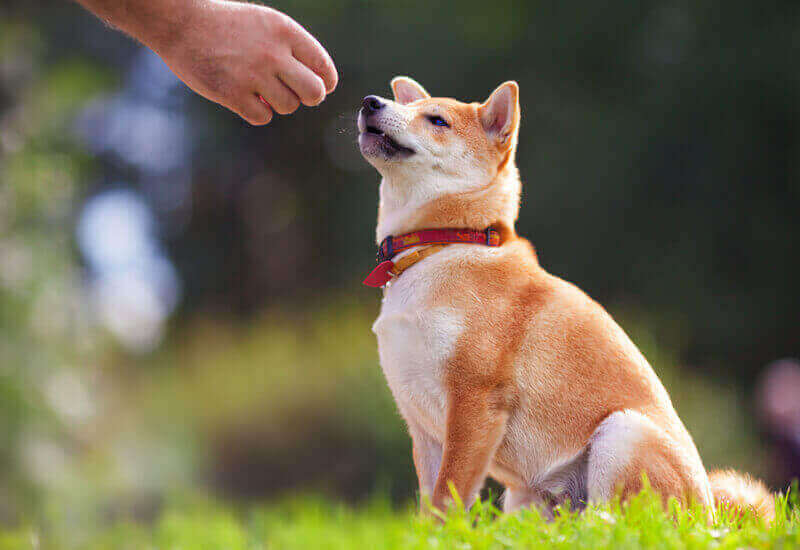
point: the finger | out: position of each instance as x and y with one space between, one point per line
310 53
282 100
255 110
303 82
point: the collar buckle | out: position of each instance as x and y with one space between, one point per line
385 250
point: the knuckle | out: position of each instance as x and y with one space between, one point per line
270 57
257 118
284 27
318 66
319 97
314 94
287 108
312 100
327 72
333 77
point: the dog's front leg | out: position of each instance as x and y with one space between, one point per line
476 424
427 459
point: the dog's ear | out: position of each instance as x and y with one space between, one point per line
407 90
499 115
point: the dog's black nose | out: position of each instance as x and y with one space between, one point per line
372 104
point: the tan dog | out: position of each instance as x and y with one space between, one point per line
498 367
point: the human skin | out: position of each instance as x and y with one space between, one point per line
252 59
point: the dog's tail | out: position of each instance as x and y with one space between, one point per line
738 492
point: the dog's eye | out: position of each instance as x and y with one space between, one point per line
438 121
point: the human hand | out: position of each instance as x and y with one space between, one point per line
237 53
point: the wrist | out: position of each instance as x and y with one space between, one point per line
161 28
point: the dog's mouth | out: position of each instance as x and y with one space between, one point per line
374 141
391 142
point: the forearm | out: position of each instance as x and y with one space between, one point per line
250 58
155 23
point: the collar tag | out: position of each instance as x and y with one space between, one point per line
380 275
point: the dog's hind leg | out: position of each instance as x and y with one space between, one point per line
626 445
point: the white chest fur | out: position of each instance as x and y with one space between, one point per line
415 341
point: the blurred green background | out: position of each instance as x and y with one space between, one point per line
180 306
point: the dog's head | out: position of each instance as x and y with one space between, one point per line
452 145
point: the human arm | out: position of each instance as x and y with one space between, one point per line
229 52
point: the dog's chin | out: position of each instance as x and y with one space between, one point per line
380 147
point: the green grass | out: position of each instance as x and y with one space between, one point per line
313 523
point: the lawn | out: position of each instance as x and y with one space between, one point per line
294 390
310 522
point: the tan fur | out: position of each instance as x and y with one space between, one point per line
740 492
540 377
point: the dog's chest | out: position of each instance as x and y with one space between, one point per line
415 341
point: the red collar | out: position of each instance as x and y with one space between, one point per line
392 246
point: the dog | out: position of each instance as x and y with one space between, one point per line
497 367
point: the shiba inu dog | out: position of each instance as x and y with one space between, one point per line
498 367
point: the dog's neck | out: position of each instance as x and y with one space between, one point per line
407 206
